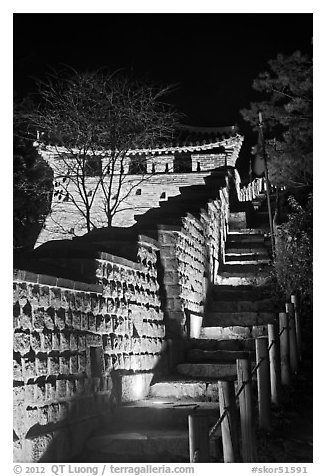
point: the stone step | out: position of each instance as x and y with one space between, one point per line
240 318
182 388
250 258
218 356
240 293
242 262
246 247
245 237
237 220
246 231
163 413
232 332
244 268
227 279
152 446
226 371
239 305
222 345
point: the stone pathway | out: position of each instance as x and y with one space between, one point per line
239 309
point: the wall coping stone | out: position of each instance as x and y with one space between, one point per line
119 260
22 275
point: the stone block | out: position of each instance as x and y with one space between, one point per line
93 340
64 365
59 318
49 318
81 342
17 370
39 446
16 314
95 303
61 390
39 394
100 324
91 322
68 318
80 386
18 451
28 368
174 304
84 321
73 345
41 365
70 388
43 415
44 296
108 364
76 320
53 365
32 416
47 341
82 363
38 319
50 392
65 299
64 341
55 341
135 386
55 297
25 318
73 364
53 412
30 394
63 410
21 342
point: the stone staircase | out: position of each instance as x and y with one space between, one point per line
239 308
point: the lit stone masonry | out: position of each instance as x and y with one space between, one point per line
81 348
190 256
161 178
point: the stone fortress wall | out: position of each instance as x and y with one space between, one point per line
105 317
82 348
139 192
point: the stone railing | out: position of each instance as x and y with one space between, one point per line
250 191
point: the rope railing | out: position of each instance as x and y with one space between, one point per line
277 357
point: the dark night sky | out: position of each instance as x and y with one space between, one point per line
213 58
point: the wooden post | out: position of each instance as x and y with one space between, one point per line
226 397
294 301
284 348
289 307
248 439
263 384
198 438
274 363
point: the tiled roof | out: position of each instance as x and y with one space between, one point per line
190 139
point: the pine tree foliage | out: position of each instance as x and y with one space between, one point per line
286 106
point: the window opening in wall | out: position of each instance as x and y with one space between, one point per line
153 168
182 162
93 166
166 168
138 191
138 164
96 358
163 195
198 166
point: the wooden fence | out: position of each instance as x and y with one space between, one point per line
277 360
